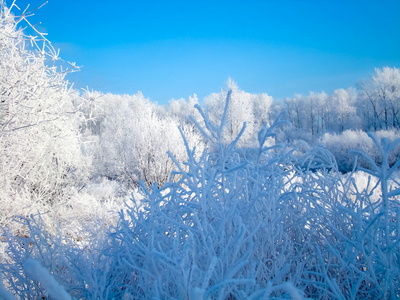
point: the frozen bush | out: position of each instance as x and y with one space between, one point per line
391 136
341 144
218 233
359 256
40 274
41 261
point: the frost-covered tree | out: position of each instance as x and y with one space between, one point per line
183 112
182 109
295 109
379 103
254 109
341 111
315 105
134 139
308 114
40 154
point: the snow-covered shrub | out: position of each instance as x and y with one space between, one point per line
365 183
341 144
238 224
391 136
219 232
359 256
75 268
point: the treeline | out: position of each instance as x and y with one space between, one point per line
340 121
373 106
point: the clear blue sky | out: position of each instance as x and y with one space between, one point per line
172 49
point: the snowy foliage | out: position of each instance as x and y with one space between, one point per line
229 198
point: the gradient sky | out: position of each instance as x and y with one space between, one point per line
173 49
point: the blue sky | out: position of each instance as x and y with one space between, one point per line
172 49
